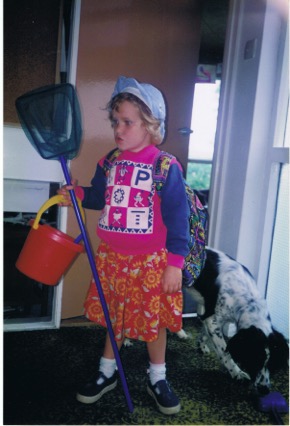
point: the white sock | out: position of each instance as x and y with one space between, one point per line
107 367
157 372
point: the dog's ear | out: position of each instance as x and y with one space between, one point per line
279 351
248 350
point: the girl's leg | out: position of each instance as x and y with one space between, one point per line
108 362
105 380
158 387
156 352
108 350
157 349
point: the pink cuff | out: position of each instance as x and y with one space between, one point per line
175 260
79 192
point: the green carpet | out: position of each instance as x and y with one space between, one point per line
43 369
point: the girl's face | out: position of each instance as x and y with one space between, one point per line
129 130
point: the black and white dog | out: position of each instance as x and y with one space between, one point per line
226 293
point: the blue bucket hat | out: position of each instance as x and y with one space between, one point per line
147 93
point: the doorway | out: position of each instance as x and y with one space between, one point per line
37 39
206 96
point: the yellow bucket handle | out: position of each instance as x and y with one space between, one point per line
57 199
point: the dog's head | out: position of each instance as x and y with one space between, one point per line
249 349
252 350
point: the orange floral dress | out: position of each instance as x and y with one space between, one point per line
132 289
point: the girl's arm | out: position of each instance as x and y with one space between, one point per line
92 197
175 214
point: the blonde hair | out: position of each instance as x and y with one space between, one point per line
151 123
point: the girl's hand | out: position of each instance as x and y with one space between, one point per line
171 280
64 191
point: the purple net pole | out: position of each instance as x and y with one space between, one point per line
98 284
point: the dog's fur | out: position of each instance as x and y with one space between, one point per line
226 293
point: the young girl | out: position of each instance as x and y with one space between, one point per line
144 239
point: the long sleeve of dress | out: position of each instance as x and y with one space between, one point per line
93 197
175 212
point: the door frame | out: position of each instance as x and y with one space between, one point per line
243 188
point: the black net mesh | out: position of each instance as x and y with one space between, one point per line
51 119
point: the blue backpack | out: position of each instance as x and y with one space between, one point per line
198 222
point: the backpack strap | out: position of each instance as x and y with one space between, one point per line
110 159
161 169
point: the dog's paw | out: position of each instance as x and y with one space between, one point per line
243 376
238 374
203 348
203 344
183 335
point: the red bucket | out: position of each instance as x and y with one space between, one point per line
47 253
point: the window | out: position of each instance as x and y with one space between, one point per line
278 280
201 142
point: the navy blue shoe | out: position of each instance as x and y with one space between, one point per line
166 400
96 388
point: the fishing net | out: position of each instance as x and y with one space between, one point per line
51 119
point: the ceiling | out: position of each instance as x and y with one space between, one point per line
214 21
